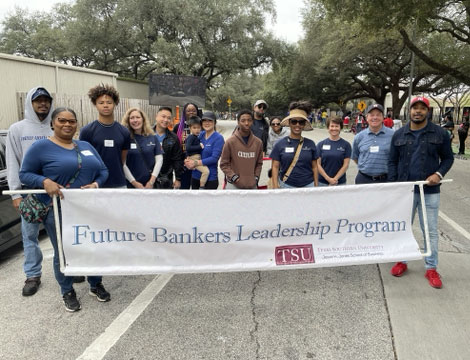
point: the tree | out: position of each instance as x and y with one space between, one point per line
445 19
134 38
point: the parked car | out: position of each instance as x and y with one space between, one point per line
10 222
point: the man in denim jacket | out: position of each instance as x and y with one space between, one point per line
422 150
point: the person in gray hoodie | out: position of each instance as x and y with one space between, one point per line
21 135
276 132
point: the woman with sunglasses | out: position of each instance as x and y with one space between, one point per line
276 132
60 162
295 157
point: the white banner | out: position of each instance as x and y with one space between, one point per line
119 231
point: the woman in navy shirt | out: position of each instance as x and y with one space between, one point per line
144 158
305 172
334 155
213 143
53 164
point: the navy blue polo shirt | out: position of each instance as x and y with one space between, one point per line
332 154
109 141
284 151
140 168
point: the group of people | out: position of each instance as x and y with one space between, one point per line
42 153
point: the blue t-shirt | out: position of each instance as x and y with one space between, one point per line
284 151
332 154
110 141
210 154
149 147
45 159
160 139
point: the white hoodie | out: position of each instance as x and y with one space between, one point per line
273 138
21 136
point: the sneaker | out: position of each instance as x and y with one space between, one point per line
70 301
78 279
434 278
31 286
398 269
100 293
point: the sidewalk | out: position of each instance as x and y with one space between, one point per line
430 323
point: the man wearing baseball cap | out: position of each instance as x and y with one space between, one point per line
36 125
260 127
371 148
421 150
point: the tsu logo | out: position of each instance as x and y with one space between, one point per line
294 254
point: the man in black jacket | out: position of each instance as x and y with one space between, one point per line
172 153
421 150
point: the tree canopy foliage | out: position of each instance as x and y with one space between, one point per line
134 38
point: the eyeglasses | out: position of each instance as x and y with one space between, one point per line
64 121
296 121
262 107
276 124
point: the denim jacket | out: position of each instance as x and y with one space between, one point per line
435 154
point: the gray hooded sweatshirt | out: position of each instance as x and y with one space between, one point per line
21 136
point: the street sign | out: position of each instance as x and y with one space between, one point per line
361 106
229 101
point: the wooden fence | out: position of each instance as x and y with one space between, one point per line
86 111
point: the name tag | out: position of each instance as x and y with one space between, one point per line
289 149
326 147
109 143
133 146
374 149
87 153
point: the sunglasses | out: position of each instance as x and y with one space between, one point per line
64 121
296 121
262 107
276 124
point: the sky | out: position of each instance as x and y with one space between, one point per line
288 26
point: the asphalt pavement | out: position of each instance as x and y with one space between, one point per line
355 312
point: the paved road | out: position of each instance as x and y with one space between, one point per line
356 312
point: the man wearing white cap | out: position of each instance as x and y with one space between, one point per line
260 127
421 150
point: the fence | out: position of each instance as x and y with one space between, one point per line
86 111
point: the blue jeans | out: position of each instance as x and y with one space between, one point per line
283 185
432 211
32 252
65 282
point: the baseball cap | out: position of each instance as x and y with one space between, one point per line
375 106
420 99
259 102
40 92
208 115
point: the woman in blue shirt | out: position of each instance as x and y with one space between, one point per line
213 143
56 163
334 155
287 171
144 158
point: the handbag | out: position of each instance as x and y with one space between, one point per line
33 210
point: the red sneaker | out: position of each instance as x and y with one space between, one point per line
434 278
398 269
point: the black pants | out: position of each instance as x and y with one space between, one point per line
186 179
462 137
210 185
